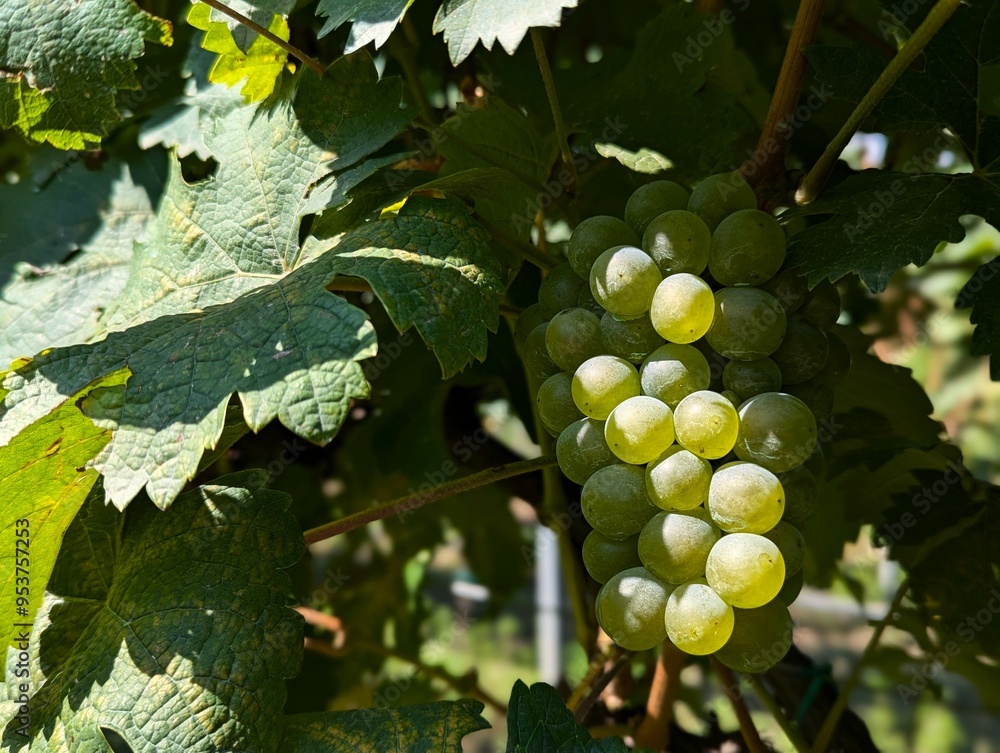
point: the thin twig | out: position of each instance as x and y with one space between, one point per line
790 728
403 45
418 500
654 731
732 690
550 90
619 659
825 733
767 165
250 24
817 177
518 247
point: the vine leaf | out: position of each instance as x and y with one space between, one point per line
539 722
982 294
371 20
61 66
173 629
465 23
428 728
45 483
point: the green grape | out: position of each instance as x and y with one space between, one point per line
555 403
678 479
745 498
822 305
761 637
745 569
600 383
672 372
815 393
630 609
706 424
718 196
790 543
749 378
587 301
537 364
675 545
748 324
682 308
560 290
698 622
581 450
593 237
614 501
789 288
573 336
838 362
604 558
777 431
790 591
623 280
748 248
639 429
678 241
652 200
716 364
527 320
631 339
732 397
801 495
802 353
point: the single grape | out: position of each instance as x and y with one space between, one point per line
560 290
631 339
614 501
706 424
639 429
745 498
822 305
718 196
745 569
604 558
675 545
749 378
815 393
803 352
587 301
698 622
623 280
555 403
678 479
537 363
761 637
682 308
748 248
838 361
652 200
593 237
716 364
573 336
789 288
630 609
678 241
790 543
581 450
600 383
748 324
527 320
790 591
672 372
801 494
776 430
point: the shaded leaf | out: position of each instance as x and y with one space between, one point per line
539 722
982 294
371 20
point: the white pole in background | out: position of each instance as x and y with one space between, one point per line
548 582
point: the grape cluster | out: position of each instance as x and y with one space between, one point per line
683 371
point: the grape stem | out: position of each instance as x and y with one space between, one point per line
253 25
790 728
654 731
589 690
518 247
825 733
814 181
767 165
550 91
415 501
732 690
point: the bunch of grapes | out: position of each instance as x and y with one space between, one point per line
683 372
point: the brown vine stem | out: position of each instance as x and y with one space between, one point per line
416 501
654 731
732 690
825 733
767 165
618 659
814 181
250 24
550 90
